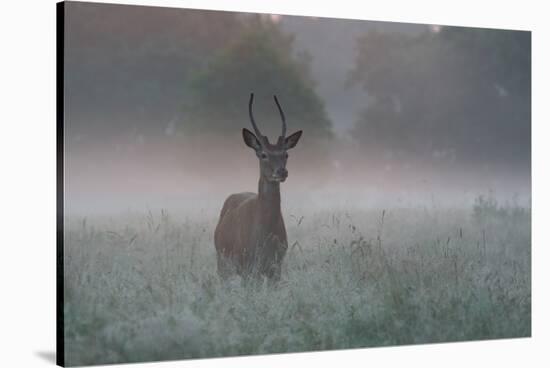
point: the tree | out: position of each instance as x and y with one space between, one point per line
458 92
260 60
128 63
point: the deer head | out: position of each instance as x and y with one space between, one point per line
272 157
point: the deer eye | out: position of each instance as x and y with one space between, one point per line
263 156
286 155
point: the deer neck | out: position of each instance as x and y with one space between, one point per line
269 200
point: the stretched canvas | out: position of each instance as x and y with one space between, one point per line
235 183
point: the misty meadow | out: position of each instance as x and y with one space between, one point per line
406 202
144 286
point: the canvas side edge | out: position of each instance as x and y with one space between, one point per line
60 285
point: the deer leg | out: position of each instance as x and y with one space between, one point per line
224 266
273 271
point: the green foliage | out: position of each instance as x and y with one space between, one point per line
468 90
260 60
128 63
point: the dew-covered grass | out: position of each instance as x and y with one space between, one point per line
142 287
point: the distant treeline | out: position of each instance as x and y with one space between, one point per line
449 93
194 67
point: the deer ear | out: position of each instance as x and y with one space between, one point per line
250 140
292 140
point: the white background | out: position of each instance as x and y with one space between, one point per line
27 181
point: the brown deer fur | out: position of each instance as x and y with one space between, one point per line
250 237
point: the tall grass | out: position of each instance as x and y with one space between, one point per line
145 287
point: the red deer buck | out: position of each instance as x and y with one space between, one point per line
250 237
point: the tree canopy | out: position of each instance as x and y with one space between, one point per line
260 60
455 93
130 62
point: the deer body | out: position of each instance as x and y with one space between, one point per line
251 233
250 237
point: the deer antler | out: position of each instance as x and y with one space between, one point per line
258 133
282 116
